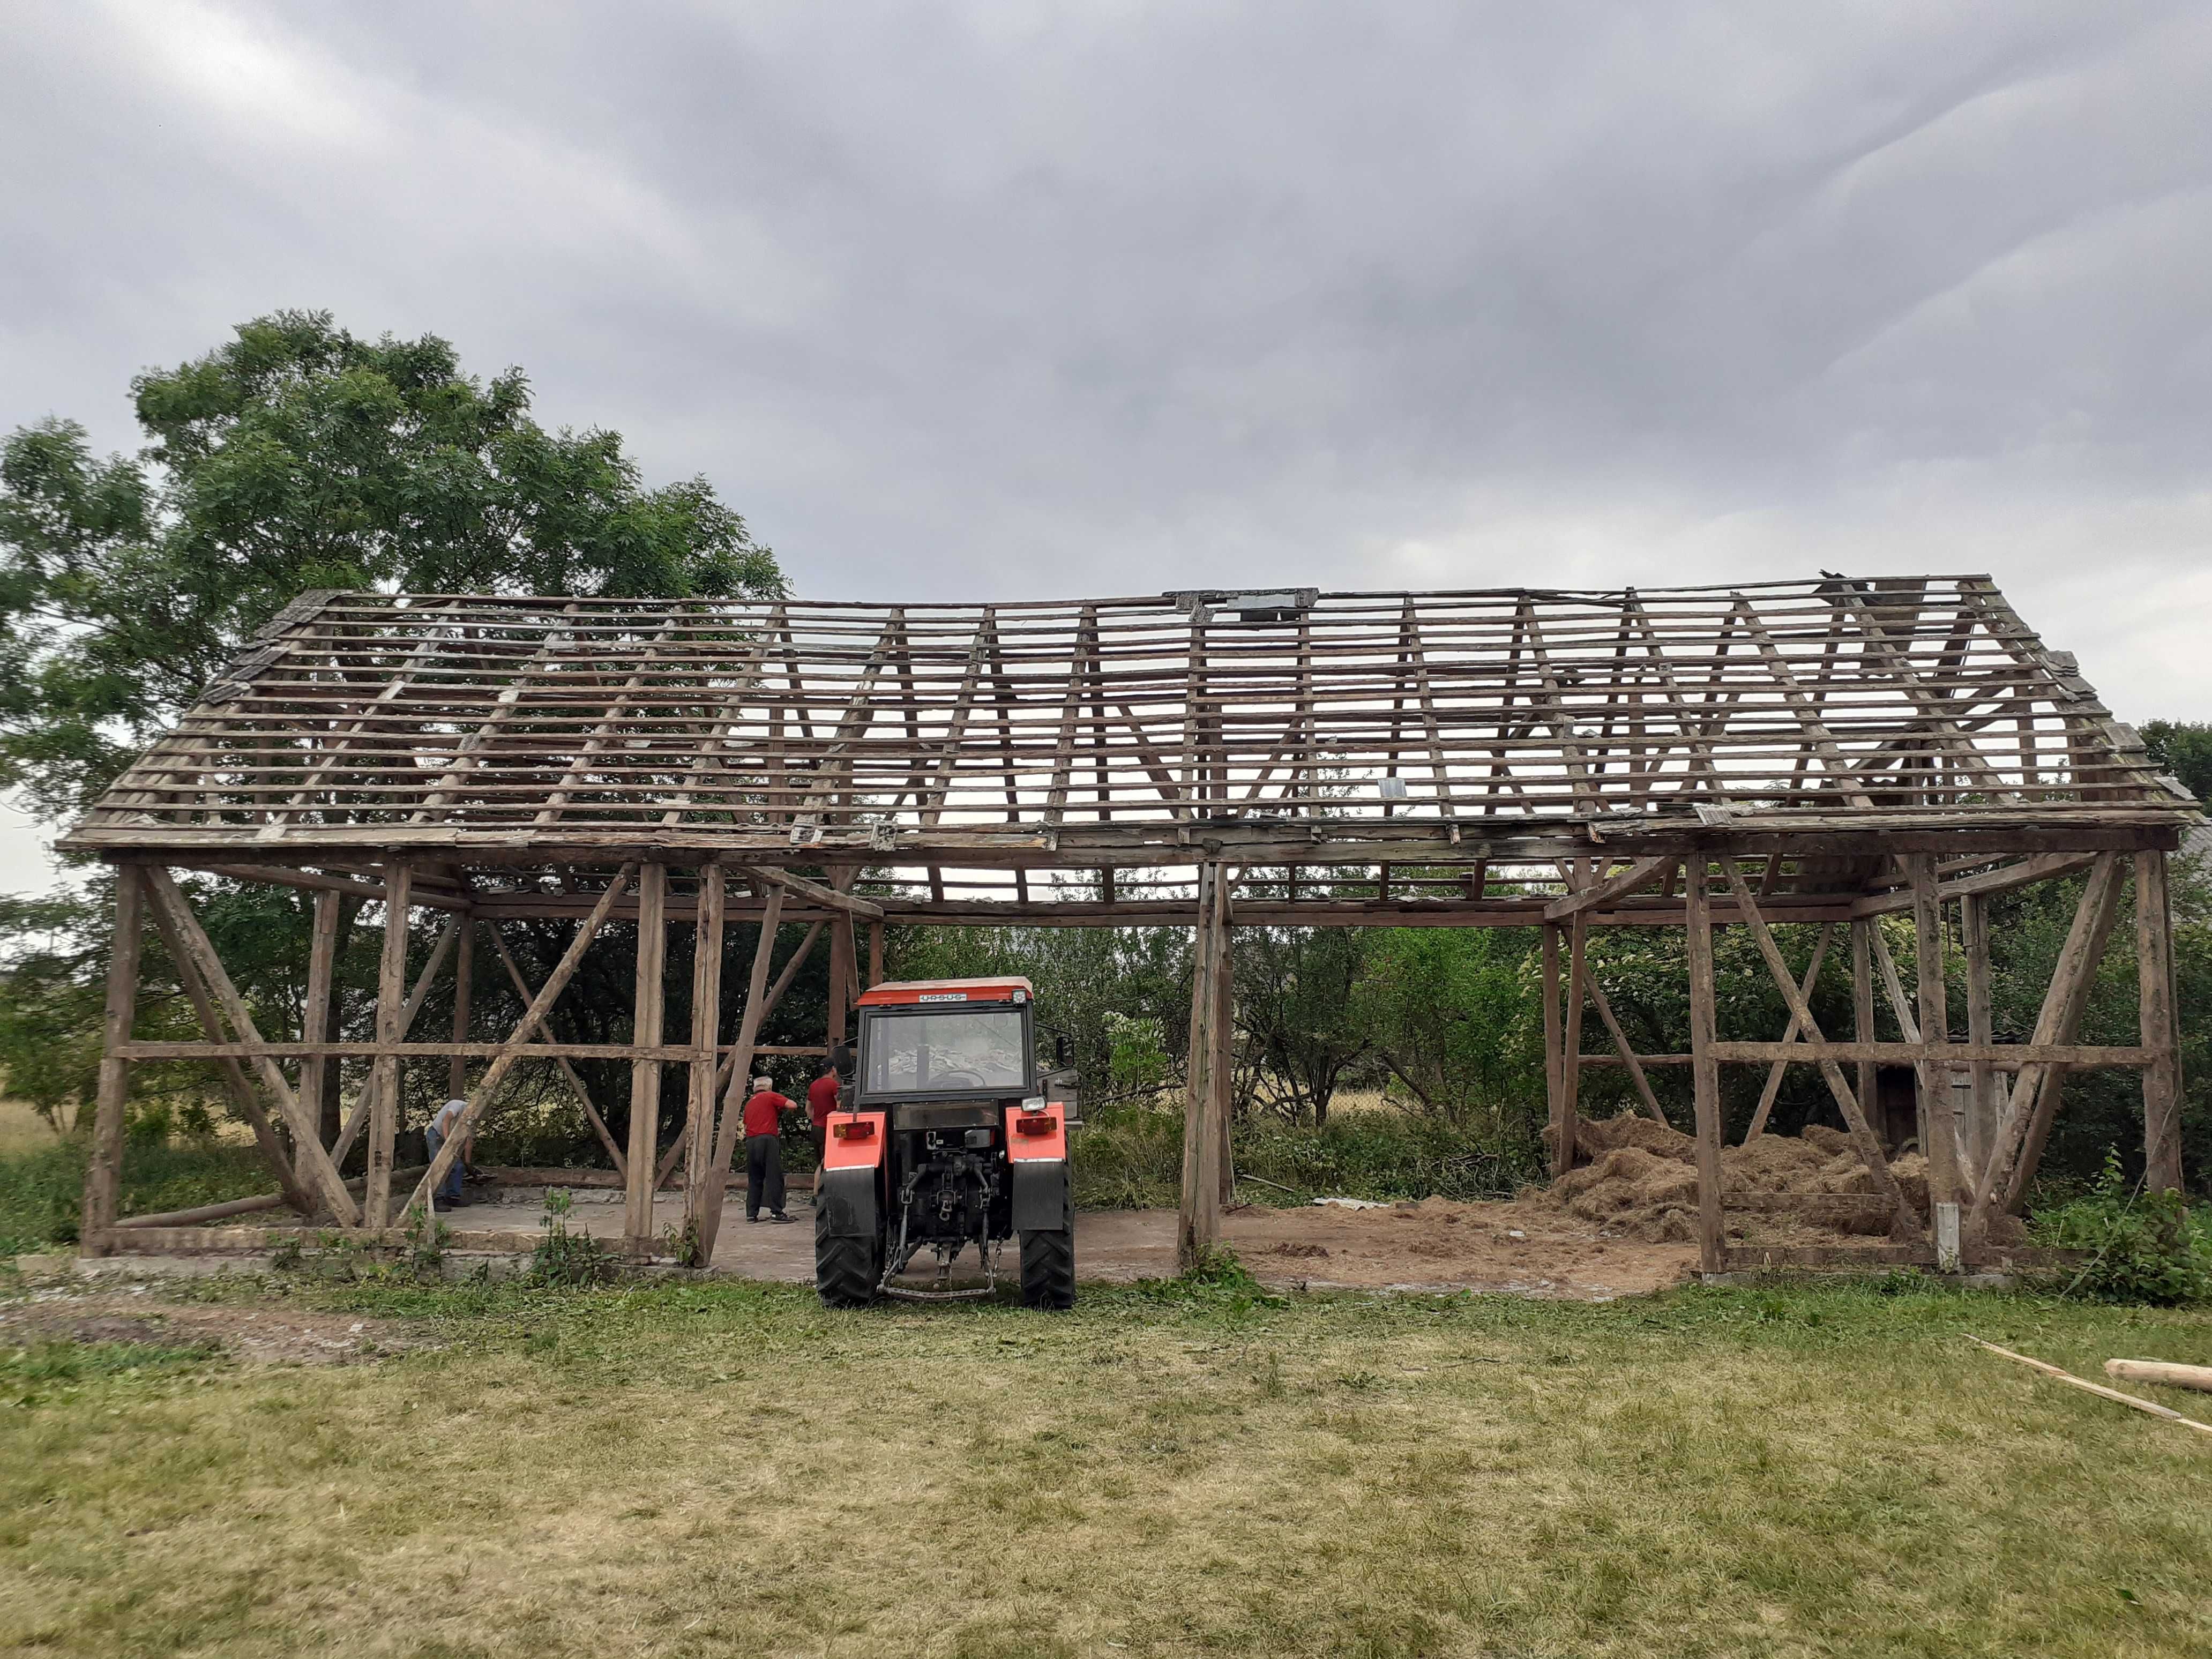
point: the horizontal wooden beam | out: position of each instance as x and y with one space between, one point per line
2002 1056
665 1051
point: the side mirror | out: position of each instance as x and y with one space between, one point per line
1060 1050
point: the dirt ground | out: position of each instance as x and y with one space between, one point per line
256 1333
1528 1246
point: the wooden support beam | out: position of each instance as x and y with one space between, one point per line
2161 1083
1705 1070
315 1015
518 1040
2002 1056
876 951
1984 1102
1555 1081
1893 984
1932 1075
312 1162
1863 1140
730 1130
2012 1163
2044 866
648 1004
103 1175
465 972
1774 1074
1567 1126
706 1038
390 999
1863 1027
1206 1098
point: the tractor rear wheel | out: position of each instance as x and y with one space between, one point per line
1048 1266
846 1270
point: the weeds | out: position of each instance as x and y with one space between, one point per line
42 1192
2143 1247
563 1258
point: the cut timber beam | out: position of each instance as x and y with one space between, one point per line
830 897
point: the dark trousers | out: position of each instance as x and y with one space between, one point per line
764 1175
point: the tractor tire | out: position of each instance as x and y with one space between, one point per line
846 1270
1048 1268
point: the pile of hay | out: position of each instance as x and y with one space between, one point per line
1641 1180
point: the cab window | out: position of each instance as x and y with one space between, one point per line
949 1049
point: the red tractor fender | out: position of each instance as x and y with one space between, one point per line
848 1202
1037 1150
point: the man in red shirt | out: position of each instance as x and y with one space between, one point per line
764 1150
820 1101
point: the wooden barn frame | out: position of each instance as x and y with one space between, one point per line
1816 751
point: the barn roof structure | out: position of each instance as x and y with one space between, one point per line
1823 751
1821 724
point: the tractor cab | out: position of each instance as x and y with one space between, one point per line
955 1136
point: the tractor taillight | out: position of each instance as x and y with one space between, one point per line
861 1130
1039 1125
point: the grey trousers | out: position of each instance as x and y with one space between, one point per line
764 1175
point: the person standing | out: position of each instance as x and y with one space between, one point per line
822 1097
764 1150
435 1136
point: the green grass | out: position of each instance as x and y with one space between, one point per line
705 1468
1130 1157
42 1191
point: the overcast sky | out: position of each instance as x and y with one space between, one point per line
1012 300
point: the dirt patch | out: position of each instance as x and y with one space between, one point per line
255 1333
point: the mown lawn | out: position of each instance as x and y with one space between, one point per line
727 1468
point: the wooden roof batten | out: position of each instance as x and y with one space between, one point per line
1820 725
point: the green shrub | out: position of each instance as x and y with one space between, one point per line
2144 1246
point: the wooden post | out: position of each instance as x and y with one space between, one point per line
649 1006
1705 1070
315 1095
706 1037
732 1129
1222 1072
2162 1078
1554 1082
840 976
465 969
1939 1115
1862 1029
391 1000
103 1175
875 953
1199 1227
1570 1050
1982 1105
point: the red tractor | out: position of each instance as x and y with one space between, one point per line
952 1137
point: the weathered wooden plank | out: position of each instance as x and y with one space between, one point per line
103 1176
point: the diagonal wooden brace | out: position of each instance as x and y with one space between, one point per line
313 1164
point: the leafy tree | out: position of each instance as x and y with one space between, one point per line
301 456
296 456
2185 749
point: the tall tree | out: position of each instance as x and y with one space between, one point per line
297 455
301 456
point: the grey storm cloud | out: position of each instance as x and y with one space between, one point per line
1016 300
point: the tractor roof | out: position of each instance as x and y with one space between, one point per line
1008 987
